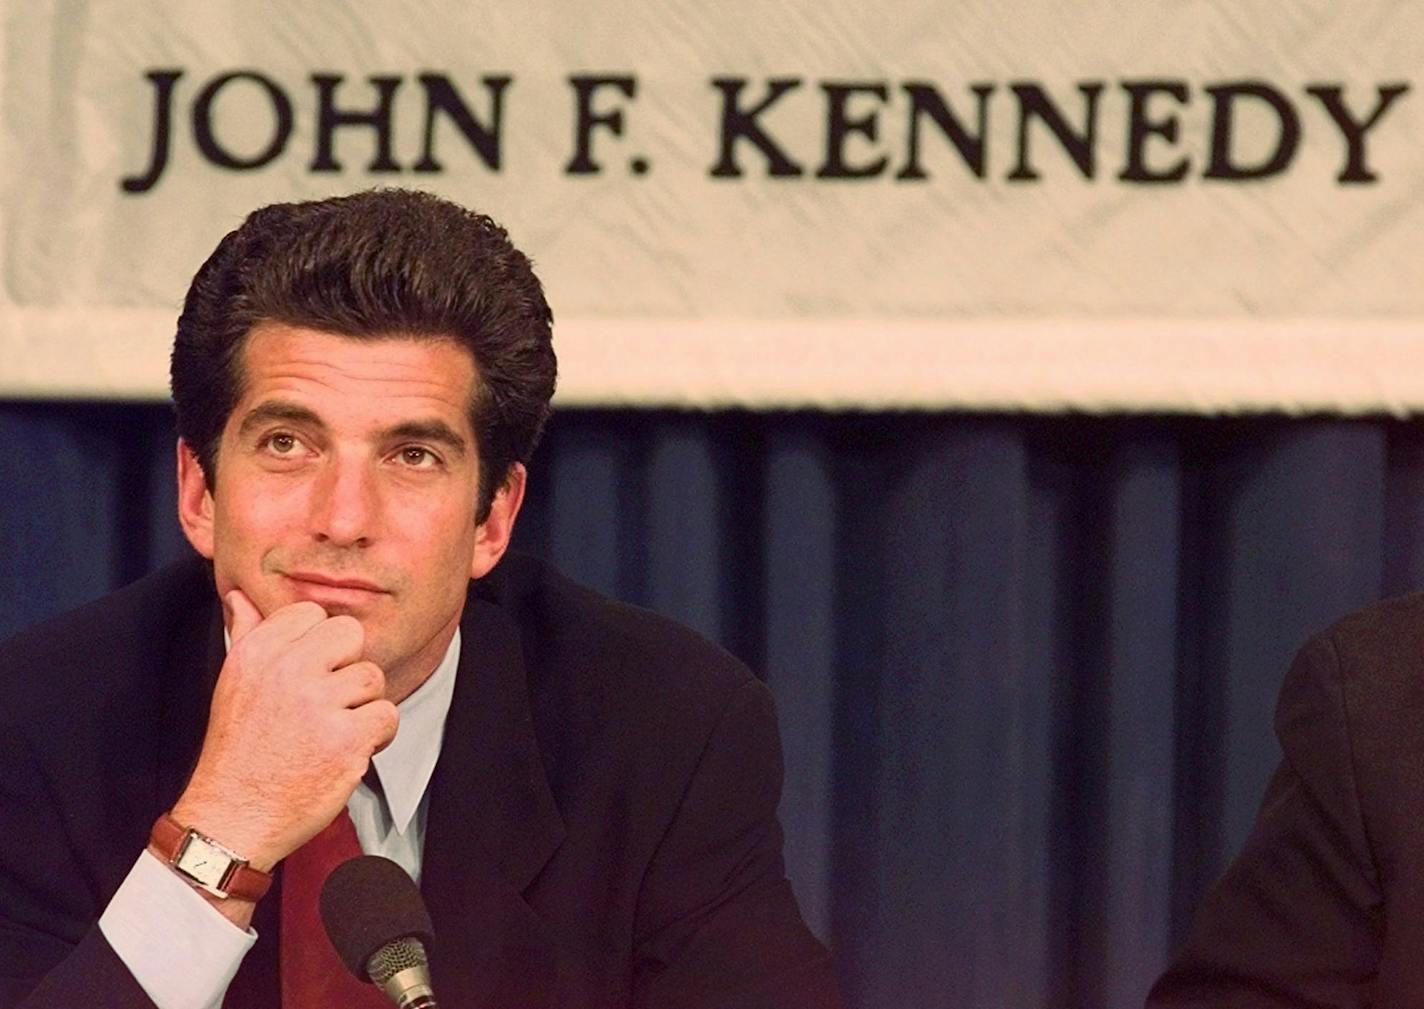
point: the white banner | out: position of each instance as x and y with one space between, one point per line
1105 206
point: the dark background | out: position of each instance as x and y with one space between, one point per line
1025 666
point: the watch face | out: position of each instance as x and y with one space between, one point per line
203 861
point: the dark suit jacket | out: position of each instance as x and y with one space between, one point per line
1325 904
601 827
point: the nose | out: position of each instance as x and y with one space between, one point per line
346 507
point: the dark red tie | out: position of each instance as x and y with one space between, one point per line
313 976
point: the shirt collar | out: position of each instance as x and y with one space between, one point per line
405 766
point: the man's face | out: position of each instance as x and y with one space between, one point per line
348 475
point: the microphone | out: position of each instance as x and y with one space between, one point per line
378 924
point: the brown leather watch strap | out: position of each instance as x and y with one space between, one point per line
168 840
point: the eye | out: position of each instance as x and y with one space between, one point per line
418 457
281 443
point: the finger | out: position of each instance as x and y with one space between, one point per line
331 643
242 615
378 721
358 684
287 623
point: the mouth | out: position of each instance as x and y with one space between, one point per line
315 581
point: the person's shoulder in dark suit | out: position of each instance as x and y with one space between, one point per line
615 655
663 753
1324 905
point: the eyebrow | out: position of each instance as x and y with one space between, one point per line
266 413
436 431
427 430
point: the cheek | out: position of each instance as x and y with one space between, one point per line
249 526
446 548
452 559
263 507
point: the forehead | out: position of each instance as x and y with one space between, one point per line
355 378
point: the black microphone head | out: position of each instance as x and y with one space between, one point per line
369 902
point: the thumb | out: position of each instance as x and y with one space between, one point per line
242 614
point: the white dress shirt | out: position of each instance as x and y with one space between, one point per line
183 953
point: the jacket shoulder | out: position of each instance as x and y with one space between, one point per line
608 677
74 658
567 625
1383 641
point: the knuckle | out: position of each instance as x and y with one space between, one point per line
387 717
371 677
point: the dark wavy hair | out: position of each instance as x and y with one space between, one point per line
383 263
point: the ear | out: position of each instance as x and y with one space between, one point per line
492 535
195 501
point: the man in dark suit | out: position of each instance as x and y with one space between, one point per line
585 792
1324 906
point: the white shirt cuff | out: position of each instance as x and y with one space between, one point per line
182 952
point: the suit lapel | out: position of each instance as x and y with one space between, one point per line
491 826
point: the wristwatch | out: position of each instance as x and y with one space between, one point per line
205 863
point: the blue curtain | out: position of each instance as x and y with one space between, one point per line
1025 666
